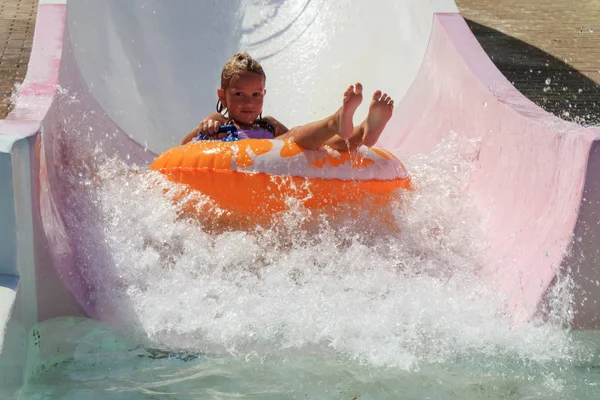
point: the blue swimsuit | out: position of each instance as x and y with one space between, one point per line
265 131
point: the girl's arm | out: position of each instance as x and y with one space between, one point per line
209 124
280 128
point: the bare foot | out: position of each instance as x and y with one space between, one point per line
343 117
380 112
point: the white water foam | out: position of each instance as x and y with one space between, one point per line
394 288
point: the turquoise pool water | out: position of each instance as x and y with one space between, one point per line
101 364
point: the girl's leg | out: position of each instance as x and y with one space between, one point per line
313 135
353 143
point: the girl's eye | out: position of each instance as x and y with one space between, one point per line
239 94
257 94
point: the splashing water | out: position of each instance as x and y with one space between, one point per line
380 301
394 289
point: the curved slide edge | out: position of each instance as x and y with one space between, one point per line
534 174
35 113
30 289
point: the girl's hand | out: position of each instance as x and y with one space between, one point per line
209 126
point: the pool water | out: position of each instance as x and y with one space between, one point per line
103 364
364 303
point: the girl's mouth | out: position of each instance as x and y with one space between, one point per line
248 114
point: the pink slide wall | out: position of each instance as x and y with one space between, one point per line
531 171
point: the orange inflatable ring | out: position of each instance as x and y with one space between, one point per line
255 176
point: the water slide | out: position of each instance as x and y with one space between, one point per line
128 79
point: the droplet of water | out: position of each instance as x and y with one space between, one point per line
548 80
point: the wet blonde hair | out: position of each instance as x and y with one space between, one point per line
240 62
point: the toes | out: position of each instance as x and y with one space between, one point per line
356 89
383 98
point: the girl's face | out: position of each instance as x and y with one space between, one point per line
244 97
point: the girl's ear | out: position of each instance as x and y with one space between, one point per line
221 96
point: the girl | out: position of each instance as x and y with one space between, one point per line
241 100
